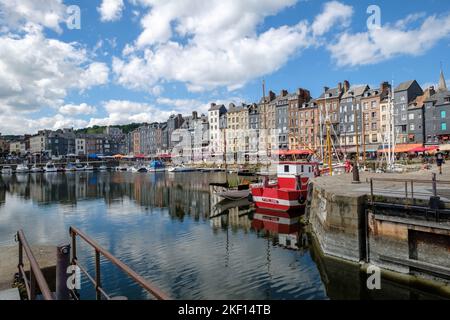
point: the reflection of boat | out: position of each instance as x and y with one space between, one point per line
7 170
22 168
283 224
50 167
290 190
157 166
103 168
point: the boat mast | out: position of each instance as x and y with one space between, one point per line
265 123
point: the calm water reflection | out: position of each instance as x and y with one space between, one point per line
172 230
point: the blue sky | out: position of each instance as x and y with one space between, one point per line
141 60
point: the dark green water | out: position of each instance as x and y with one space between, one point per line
159 224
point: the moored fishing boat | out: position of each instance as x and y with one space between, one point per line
70 167
157 166
36 169
289 192
22 168
50 167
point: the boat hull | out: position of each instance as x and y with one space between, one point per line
279 199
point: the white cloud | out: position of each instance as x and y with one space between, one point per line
334 12
124 112
18 13
72 109
183 106
389 41
220 44
110 10
16 124
36 72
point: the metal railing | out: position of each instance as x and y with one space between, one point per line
155 292
407 187
428 204
36 276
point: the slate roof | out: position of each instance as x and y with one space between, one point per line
330 94
404 85
355 91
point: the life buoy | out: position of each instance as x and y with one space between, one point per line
301 200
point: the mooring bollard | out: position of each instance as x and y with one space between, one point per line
62 263
355 172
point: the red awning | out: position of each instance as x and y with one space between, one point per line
140 156
293 152
165 156
424 149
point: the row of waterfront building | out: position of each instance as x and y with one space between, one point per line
356 115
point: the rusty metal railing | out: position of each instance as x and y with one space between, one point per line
36 276
153 290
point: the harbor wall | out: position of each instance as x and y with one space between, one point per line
337 222
345 226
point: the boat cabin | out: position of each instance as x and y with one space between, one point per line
292 175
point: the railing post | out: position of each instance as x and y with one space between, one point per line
32 285
412 191
371 190
434 185
97 275
62 264
20 253
74 246
406 190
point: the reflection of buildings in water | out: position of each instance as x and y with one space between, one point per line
182 194
283 227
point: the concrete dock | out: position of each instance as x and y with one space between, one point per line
9 258
401 235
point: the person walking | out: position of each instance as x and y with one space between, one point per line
439 160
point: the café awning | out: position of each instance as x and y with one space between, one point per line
402 148
424 149
293 152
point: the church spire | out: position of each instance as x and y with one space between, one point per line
442 84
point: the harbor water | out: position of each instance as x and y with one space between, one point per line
172 229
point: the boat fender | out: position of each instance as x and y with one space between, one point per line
301 199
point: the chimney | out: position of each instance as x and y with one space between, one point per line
283 93
384 86
272 95
340 86
346 85
194 115
325 89
213 105
432 90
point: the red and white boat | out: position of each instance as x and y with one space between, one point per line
290 190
